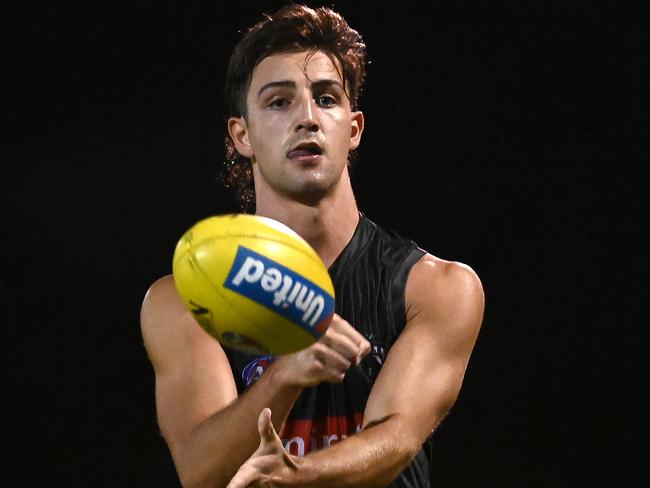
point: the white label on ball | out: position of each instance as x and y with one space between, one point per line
291 295
251 271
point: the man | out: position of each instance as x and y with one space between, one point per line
355 408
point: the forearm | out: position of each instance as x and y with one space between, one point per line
211 454
372 458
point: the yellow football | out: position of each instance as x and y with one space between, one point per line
253 283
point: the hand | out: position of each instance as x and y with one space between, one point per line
269 464
329 358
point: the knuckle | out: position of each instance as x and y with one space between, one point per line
319 350
325 336
337 377
316 368
338 323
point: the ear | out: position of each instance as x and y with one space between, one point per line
357 129
238 130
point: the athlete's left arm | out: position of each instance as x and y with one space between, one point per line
415 389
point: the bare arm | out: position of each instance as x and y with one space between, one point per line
419 382
417 386
209 429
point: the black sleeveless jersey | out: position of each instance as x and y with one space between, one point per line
369 279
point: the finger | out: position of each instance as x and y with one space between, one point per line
364 349
330 359
265 427
360 344
339 324
342 344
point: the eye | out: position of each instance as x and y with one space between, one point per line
326 100
278 103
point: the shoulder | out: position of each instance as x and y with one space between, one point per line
445 290
168 329
432 275
161 299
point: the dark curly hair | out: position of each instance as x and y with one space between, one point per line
293 28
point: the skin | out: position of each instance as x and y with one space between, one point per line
219 439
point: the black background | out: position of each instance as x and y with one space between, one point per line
505 136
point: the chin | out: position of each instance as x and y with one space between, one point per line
310 192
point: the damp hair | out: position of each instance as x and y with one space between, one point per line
293 28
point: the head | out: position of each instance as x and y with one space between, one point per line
317 42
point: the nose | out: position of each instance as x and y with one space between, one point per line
307 115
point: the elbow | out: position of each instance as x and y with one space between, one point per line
191 473
409 439
405 450
195 467
188 476
189 479
408 452
403 455
403 443
195 483
187 482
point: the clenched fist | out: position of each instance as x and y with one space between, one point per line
328 359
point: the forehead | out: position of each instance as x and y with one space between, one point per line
297 67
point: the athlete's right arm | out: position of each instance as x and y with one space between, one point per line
211 431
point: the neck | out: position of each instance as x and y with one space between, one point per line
327 225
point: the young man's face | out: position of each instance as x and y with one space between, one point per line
299 129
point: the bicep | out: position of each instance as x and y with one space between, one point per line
424 370
193 376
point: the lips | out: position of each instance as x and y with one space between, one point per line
305 150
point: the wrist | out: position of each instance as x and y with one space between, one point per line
304 475
283 373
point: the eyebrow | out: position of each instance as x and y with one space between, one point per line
320 84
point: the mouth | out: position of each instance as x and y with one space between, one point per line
306 151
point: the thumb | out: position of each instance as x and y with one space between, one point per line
265 427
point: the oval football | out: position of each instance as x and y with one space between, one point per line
253 283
